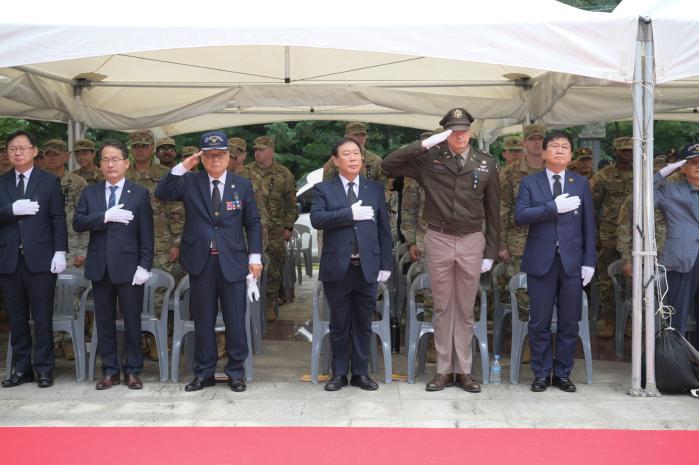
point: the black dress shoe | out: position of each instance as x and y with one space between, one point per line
45 380
18 378
540 384
364 382
198 384
336 383
564 384
237 384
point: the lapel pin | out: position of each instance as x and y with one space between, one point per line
232 186
571 179
128 191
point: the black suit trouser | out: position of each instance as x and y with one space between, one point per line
682 294
352 304
130 300
24 290
206 290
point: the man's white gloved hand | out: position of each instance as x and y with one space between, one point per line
486 265
253 290
666 171
23 207
383 276
565 204
140 276
58 263
360 213
435 139
118 215
587 272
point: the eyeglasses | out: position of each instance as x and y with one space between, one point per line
556 147
215 156
166 148
20 149
112 161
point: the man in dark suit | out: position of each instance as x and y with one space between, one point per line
220 213
118 214
33 246
351 211
559 258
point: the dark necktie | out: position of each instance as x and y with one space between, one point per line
461 160
215 206
352 197
20 186
112 196
557 189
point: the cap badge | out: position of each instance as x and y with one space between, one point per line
458 113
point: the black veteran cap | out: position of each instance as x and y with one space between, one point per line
689 151
457 119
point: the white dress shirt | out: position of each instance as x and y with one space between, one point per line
117 193
26 177
549 174
346 181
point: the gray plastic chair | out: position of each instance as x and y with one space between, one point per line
622 303
401 287
501 309
66 317
520 329
183 327
307 251
321 328
416 328
150 323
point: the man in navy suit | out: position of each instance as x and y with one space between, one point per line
559 258
351 211
118 214
33 246
220 213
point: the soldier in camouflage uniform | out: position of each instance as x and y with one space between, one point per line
513 150
166 151
582 162
84 150
5 164
280 201
610 187
168 217
72 185
188 151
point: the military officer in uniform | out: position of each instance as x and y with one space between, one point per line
5 164
512 150
84 150
461 201
582 162
280 202
166 151
610 186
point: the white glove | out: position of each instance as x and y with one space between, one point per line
58 263
140 276
435 139
666 171
486 265
383 276
117 215
565 204
253 290
587 272
360 213
25 207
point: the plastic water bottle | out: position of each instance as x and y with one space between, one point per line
495 371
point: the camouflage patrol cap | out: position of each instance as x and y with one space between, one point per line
582 152
689 151
189 150
55 145
355 127
512 143
264 142
534 130
83 144
457 119
141 137
165 141
623 143
237 144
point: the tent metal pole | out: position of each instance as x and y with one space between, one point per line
650 254
636 336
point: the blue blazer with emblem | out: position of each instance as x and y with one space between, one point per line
331 212
116 248
573 231
237 219
40 235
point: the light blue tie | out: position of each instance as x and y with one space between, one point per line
112 196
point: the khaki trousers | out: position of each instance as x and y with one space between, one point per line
454 265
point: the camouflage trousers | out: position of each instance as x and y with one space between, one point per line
512 267
276 251
605 287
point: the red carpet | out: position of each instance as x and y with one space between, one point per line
394 446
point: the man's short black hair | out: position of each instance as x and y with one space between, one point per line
557 134
117 144
342 142
20 132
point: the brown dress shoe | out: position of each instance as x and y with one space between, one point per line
107 382
133 381
467 383
440 381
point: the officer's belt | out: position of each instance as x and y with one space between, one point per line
453 231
